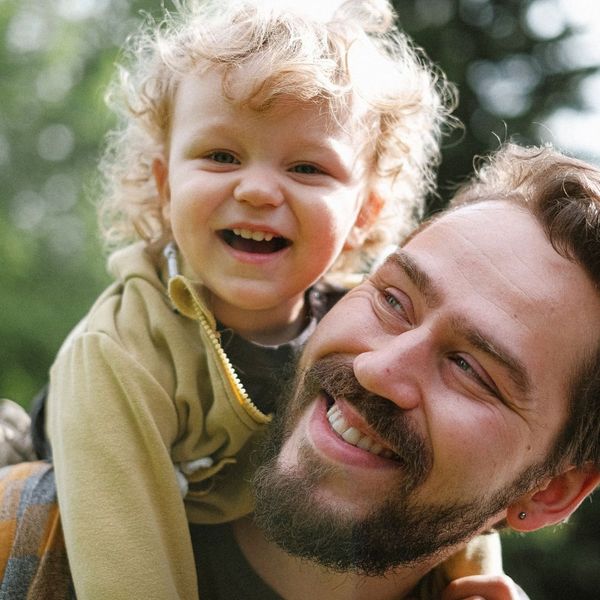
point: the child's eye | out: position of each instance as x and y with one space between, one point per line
306 169
221 156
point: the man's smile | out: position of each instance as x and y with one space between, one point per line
354 436
350 427
340 448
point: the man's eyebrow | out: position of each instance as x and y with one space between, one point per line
497 352
483 342
417 275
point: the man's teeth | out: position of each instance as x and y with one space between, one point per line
353 436
257 236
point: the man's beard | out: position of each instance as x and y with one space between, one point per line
398 531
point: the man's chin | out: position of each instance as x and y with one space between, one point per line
332 486
298 509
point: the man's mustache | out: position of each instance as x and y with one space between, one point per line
334 375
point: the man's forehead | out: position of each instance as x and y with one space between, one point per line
494 229
496 265
499 248
469 212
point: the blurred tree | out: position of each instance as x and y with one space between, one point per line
55 60
515 62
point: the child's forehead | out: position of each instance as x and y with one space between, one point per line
241 92
254 84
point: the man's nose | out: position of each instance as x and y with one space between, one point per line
397 368
258 186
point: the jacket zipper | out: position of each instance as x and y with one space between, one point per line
236 385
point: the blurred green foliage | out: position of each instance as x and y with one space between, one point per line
515 63
56 59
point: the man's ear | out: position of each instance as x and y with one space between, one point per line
160 171
366 217
554 501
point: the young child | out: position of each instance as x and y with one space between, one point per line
259 150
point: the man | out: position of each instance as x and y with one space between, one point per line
453 391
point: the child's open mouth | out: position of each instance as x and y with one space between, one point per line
258 242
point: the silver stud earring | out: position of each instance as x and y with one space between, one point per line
522 515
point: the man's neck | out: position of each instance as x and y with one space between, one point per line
295 579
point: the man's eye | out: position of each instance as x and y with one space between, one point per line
395 303
392 300
394 308
465 366
223 157
306 169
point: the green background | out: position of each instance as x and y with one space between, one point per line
55 61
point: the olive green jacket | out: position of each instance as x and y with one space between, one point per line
140 384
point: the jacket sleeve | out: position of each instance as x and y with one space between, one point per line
111 425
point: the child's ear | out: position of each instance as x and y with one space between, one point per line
160 171
369 211
554 501
366 217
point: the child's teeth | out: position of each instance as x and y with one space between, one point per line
261 236
257 236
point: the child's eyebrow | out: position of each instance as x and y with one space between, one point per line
210 126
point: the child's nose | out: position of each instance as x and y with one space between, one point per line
258 187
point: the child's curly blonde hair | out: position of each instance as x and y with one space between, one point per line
354 53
